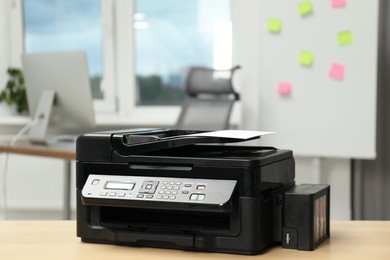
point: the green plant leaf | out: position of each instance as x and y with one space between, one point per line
14 92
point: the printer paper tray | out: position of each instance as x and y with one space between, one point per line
139 142
227 207
155 239
135 220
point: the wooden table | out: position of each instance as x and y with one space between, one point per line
65 152
57 240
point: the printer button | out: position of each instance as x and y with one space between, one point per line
201 187
185 192
169 187
149 187
172 183
103 194
176 188
174 192
172 197
187 185
201 197
149 196
197 197
165 182
121 194
140 196
166 197
112 194
178 183
95 182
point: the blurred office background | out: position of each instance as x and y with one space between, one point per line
138 54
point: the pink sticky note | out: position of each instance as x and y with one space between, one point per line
336 71
338 3
284 88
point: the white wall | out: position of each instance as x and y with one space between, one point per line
335 172
11 42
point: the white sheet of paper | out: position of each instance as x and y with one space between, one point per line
234 134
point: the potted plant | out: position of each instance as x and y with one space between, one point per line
14 93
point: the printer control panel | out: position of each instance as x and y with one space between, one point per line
163 189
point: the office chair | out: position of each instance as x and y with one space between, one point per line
209 101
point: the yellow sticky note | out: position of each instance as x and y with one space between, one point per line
274 25
306 58
305 8
344 38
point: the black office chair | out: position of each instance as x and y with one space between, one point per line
210 99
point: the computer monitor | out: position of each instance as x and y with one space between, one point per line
58 93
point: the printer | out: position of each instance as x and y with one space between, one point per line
191 190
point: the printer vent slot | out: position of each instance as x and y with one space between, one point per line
160 167
170 221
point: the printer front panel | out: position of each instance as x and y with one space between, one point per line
243 224
158 192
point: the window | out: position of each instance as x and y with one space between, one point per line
138 50
66 25
170 36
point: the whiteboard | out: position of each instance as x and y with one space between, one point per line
322 115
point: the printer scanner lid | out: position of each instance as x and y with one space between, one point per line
94 146
136 143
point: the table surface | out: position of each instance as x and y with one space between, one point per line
23 146
57 240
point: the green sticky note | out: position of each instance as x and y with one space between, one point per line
344 38
274 25
306 58
305 8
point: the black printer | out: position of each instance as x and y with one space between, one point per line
190 190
